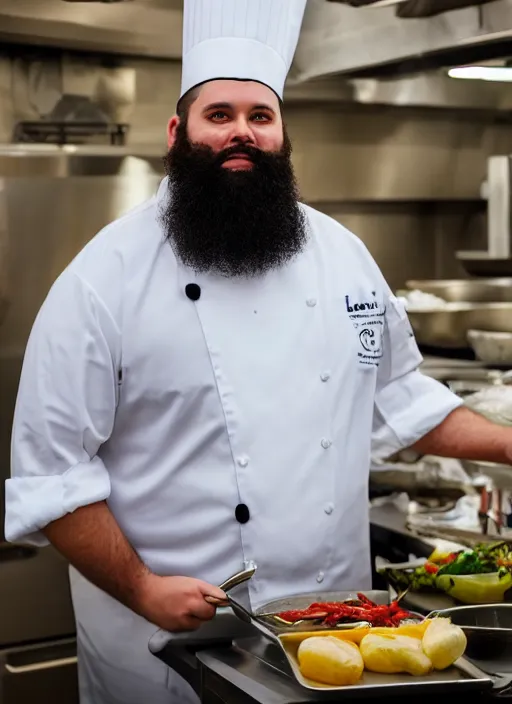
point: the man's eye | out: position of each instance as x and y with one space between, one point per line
218 115
260 117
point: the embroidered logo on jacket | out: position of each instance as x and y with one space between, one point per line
367 316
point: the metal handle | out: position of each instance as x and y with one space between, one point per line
238 578
37 666
231 583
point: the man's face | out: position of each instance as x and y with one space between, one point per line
232 207
230 113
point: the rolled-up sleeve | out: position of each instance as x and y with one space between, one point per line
64 412
408 404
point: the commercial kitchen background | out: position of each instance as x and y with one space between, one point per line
384 141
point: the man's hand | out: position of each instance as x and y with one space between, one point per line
177 603
91 539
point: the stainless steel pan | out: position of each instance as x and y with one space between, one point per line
466 290
449 326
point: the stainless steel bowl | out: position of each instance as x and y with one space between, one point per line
492 347
466 290
488 630
448 326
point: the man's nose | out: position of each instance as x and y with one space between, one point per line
242 132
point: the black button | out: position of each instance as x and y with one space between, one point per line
242 514
193 292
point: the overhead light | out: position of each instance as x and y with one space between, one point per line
482 73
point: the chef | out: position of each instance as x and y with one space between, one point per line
206 382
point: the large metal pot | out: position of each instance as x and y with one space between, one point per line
448 326
466 290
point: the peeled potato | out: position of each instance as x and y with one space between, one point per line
390 654
330 661
443 643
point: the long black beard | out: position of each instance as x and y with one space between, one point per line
233 223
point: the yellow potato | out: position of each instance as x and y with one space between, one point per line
392 654
330 661
443 643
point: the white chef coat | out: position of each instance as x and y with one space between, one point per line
270 392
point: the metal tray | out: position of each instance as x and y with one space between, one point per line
302 601
463 676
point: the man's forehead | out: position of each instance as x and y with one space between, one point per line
247 93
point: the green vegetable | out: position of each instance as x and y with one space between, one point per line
485 560
417 579
487 588
469 562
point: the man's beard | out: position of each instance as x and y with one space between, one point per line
233 223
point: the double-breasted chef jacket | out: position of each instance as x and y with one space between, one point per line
224 420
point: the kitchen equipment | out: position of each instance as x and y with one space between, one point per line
232 582
45 219
266 619
421 481
499 480
225 626
464 538
488 629
277 647
466 290
238 578
458 678
44 670
499 474
448 326
430 8
496 259
268 612
492 347
237 621
45 197
477 375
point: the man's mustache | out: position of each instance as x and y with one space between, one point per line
252 153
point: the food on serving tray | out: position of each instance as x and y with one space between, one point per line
477 588
482 575
361 609
443 643
392 654
330 661
356 635
434 646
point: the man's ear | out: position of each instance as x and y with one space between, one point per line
172 128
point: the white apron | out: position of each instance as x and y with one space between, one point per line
235 427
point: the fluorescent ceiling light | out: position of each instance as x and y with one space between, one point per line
482 73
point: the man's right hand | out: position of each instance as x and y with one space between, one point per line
177 603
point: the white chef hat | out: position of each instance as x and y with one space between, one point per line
251 40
